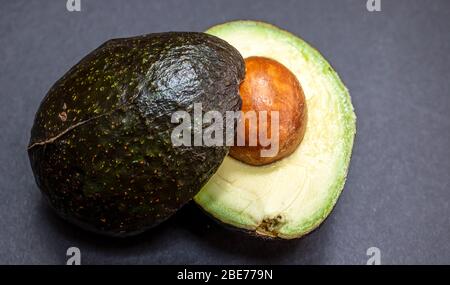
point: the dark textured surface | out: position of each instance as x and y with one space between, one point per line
101 148
395 63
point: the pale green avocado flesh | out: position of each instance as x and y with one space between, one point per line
290 197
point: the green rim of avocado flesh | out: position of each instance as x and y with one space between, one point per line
291 197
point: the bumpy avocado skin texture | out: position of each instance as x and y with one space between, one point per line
100 146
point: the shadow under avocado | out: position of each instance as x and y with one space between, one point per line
71 231
233 241
190 218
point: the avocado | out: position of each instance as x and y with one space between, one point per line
100 146
292 196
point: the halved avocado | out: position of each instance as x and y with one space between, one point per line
290 197
101 144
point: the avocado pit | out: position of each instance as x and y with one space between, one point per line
271 87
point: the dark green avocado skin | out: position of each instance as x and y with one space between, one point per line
100 146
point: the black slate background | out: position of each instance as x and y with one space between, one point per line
396 64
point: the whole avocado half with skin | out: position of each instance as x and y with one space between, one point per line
100 146
290 197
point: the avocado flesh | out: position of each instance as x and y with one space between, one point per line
290 197
100 146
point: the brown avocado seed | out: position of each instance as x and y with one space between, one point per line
270 86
